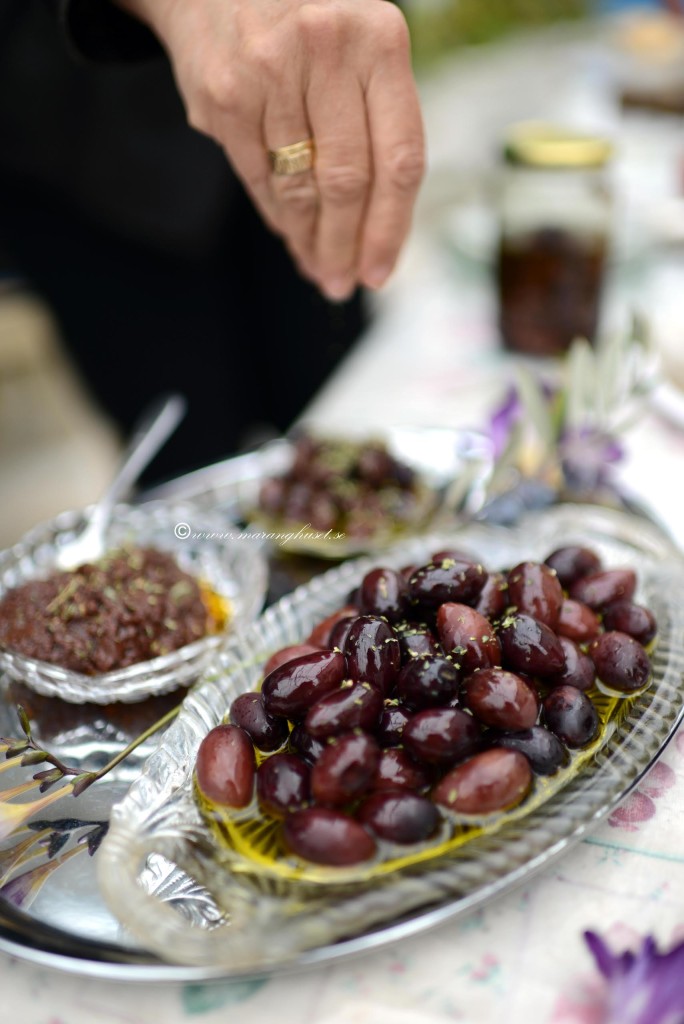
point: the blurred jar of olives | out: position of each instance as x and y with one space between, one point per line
555 226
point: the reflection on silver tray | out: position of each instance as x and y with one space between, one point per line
262 932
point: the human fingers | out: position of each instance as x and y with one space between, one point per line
294 193
221 107
343 172
398 152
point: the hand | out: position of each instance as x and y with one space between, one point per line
260 74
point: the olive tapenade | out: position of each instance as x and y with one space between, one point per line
128 607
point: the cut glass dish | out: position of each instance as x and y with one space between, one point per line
263 914
234 570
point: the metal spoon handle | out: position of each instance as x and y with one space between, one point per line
156 424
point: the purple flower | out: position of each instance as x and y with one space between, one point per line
502 420
586 457
23 889
646 987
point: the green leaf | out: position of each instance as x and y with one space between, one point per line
48 778
17 748
535 406
580 384
33 757
24 720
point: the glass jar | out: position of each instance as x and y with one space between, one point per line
555 215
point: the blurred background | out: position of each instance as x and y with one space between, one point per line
608 70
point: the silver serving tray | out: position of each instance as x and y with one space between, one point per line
68 925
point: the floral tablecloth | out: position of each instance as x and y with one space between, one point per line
433 358
522 959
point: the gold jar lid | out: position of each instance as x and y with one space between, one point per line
542 145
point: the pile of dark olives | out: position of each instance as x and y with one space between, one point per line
355 487
438 691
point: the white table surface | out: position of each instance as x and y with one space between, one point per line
433 358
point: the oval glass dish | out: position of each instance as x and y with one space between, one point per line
234 572
452 469
252 915
447 469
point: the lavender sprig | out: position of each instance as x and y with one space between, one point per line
48 836
559 436
26 752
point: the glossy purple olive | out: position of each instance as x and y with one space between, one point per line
399 816
426 682
542 748
600 589
633 619
225 766
442 735
494 780
266 732
577 621
340 632
415 641
621 662
345 769
530 646
493 598
571 716
353 706
305 745
390 728
325 836
501 699
578 670
397 769
449 580
282 784
372 653
289 691
468 637
534 589
572 562
385 592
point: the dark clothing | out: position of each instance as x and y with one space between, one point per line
134 229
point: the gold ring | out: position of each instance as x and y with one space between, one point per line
293 159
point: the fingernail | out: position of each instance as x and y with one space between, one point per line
338 288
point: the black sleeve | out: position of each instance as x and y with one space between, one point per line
99 30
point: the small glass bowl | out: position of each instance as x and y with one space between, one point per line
234 569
